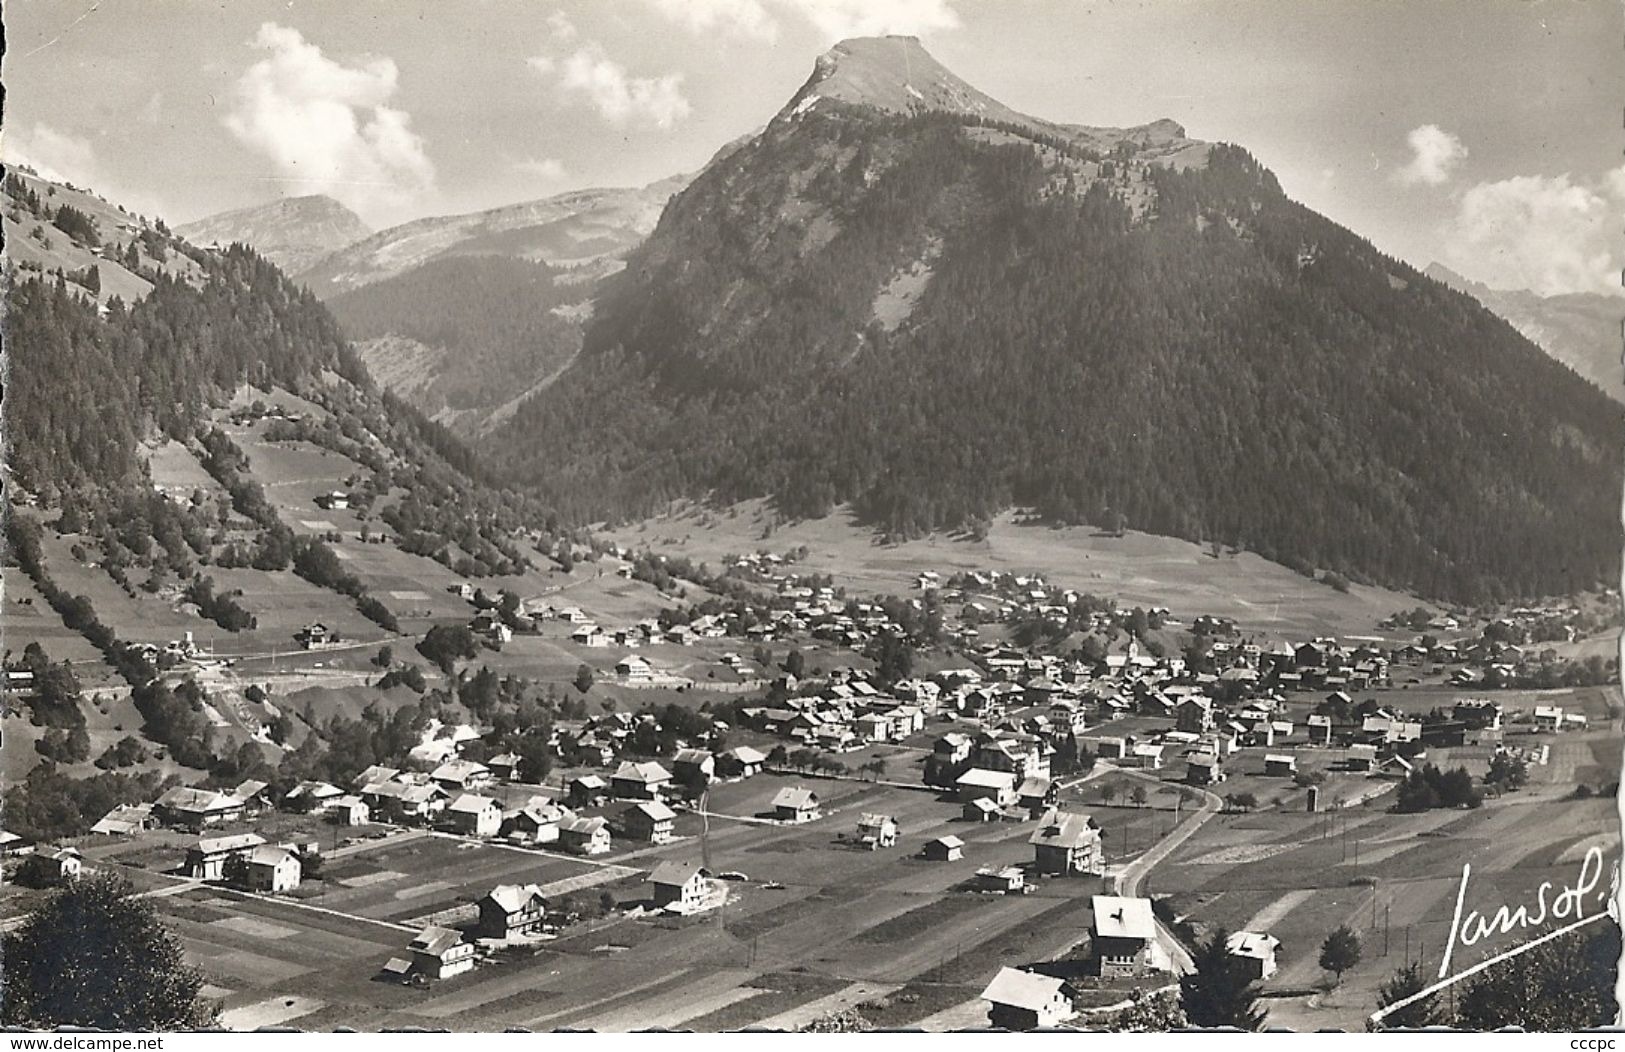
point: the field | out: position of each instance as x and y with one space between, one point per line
820 923
141 618
1137 569
1392 877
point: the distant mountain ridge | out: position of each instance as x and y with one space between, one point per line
904 297
464 316
589 230
293 232
1581 330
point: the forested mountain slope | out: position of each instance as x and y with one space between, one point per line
465 337
934 314
1583 330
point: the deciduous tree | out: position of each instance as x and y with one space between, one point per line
93 955
1340 951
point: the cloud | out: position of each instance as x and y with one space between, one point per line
606 85
739 18
55 155
1549 234
834 19
547 169
63 157
838 19
1434 155
327 125
564 30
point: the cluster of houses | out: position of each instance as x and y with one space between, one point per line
41 866
849 712
455 797
599 741
248 861
1374 740
1124 942
519 913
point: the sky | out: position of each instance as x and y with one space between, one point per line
1484 134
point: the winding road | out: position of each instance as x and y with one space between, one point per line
1132 876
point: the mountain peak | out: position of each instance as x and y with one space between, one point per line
1445 276
292 232
895 74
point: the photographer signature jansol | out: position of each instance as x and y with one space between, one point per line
1552 902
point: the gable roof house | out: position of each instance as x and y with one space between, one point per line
1203 769
1194 714
741 761
440 953
473 815
1123 937
124 820
1067 844
504 766
586 790
374 775
693 766
206 860
1253 952
979 784
348 810
944 849
195 808
877 831
458 775
1004 880
52 868
511 910
253 794
535 823
271 869
680 886
1280 764
584 836
1035 795
311 796
651 822
1146 755
795 804
640 781
1023 1000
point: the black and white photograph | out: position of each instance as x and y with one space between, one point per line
817 516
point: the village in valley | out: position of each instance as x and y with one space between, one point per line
914 565
764 798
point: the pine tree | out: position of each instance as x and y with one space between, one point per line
1407 982
1563 985
1219 992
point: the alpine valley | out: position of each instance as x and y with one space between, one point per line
929 567
904 297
